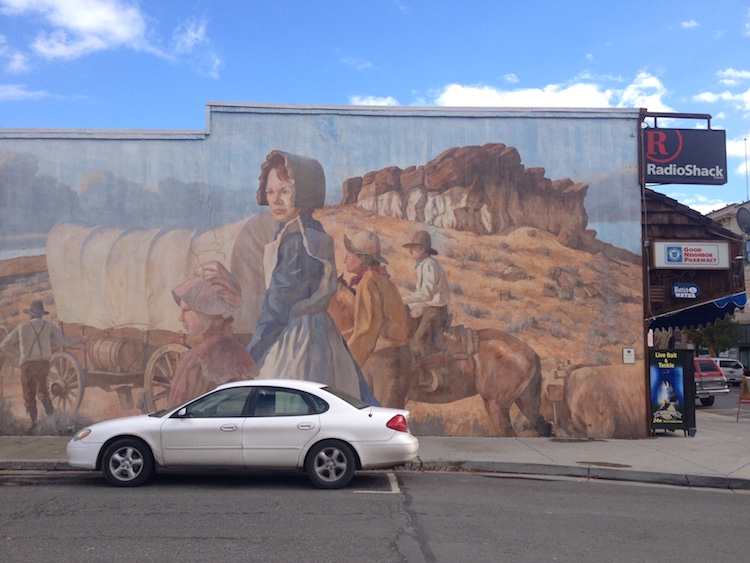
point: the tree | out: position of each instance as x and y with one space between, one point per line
717 337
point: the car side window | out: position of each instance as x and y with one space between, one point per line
320 405
281 402
225 403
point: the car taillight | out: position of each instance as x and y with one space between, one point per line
398 423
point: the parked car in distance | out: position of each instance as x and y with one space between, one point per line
260 424
732 369
709 381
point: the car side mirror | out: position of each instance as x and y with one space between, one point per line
182 413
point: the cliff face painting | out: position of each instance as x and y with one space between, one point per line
481 269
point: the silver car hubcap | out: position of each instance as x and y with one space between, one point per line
330 464
126 464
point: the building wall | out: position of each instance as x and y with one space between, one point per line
535 216
727 218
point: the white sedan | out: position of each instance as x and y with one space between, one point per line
259 424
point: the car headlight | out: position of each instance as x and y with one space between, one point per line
81 434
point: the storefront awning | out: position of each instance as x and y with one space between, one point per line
700 314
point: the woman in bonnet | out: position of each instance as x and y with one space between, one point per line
207 301
295 337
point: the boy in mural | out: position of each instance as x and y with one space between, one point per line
33 341
381 324
429 301
295 337
207 301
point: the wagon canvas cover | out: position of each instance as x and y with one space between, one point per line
106 277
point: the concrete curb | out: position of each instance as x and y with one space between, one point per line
507 468
36 465
587 472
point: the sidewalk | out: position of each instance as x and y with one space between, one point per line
718 456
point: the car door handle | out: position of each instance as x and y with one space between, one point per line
306 425
229 427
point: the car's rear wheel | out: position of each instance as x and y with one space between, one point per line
707 401
330 464
127 462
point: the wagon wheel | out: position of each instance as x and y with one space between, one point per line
159 373
66 382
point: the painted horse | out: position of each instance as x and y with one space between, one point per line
499 367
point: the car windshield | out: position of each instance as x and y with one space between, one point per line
353 401
707 366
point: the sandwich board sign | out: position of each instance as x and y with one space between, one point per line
744 395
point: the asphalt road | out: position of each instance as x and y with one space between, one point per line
724 405
405 516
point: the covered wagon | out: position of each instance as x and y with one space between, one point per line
115 284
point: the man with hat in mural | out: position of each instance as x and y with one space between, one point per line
381 325
33 341
429 301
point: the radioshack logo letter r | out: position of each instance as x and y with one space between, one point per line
655 142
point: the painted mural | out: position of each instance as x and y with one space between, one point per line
481 269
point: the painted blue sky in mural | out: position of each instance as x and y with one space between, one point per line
154 64
201 180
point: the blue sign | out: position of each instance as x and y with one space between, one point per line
672 390
685 291
674 254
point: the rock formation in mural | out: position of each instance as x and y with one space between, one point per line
483 190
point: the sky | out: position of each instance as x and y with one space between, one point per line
153 64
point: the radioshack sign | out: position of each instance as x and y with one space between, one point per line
685 156
691 255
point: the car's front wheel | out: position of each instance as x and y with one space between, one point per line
330 464
707 401
127 462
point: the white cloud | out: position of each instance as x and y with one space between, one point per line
732 77
511 78
80 27
646 91
692 24
76 28
15 62
553 95
708 97
739 101
188 35
190 40
15 92
373 101
360 65
736 147
698 202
